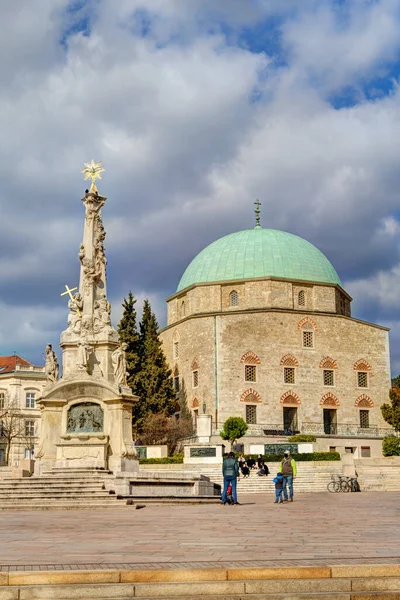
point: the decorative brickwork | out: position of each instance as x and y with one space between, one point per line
250 395
362 365
290 398
250 359
328 363
364 401
307 323
195 403
329 400
195 365
289 361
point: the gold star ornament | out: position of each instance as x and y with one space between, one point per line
93 171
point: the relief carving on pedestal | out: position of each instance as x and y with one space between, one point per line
86 417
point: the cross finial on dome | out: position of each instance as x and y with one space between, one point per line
257 210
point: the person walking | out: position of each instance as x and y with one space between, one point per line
230 471
289 472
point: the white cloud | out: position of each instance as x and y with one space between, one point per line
192 127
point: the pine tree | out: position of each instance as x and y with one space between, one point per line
391 412
154 383
128 333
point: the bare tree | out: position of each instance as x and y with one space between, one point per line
12 424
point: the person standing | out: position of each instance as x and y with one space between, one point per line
289 472
230 471
278 481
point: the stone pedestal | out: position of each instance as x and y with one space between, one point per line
204 428
86 423
203 454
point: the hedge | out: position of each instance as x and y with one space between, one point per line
167 460
302 438
391 446
304 457
300 457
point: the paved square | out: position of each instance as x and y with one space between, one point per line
320 528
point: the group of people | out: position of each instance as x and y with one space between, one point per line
246 466
231 469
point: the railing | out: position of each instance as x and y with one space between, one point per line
345 429
268 429
339 429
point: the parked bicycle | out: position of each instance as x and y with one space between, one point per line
340 483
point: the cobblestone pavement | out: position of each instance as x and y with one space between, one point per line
315 529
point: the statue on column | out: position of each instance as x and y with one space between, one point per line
51 366
119 362
101 314
82 354
75 306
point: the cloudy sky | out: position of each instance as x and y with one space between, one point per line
196 108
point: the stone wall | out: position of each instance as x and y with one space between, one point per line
217 342
256 294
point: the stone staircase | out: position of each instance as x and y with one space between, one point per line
379 474
67 489
311 477
79 488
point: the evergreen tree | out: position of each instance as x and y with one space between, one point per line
153 383
391 412
128 333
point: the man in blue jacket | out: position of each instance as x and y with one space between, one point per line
230 471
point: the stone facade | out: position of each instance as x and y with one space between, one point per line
245 338
20 386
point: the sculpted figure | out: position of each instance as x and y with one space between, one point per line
75 306
118 358
81 253
82 355
102 314
51 367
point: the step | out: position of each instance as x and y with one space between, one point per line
173 499
271 589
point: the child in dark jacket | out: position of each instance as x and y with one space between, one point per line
278 480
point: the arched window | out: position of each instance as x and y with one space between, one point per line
2 399
362 368
234 298
183 309
302 298
176 350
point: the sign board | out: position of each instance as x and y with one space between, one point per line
203 452
280 448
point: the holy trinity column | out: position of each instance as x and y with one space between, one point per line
90 344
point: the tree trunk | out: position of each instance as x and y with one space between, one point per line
8 448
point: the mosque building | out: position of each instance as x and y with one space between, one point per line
261 327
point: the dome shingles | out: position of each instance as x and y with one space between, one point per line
259 252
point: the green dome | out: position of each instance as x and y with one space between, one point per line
259 252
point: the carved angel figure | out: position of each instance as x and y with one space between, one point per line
75 306
118 358
102 314
51 367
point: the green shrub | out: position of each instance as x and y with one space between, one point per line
391 446
167 460
234 428
302 438
300 457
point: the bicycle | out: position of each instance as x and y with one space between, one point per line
340 483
